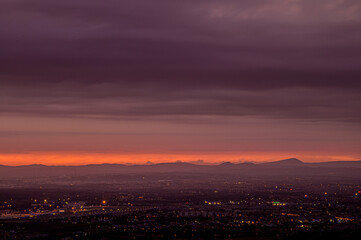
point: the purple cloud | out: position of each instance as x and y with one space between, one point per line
279 59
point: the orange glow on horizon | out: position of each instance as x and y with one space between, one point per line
71 158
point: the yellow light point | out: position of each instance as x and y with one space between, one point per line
325 193
45 201
104 202
305 195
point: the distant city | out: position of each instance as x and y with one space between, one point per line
186 203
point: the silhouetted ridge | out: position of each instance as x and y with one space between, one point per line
291 160
226 164
286 162
290 167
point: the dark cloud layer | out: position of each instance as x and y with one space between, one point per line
279 58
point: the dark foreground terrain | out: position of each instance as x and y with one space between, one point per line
185 204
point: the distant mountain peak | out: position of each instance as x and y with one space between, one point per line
34 165
294 160
289 161
226 164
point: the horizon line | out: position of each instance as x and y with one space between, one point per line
204 163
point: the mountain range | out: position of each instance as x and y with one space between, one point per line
288 167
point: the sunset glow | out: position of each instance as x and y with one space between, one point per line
72 159
190 119
222 81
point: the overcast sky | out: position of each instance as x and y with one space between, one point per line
139 80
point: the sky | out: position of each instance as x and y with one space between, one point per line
205 81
